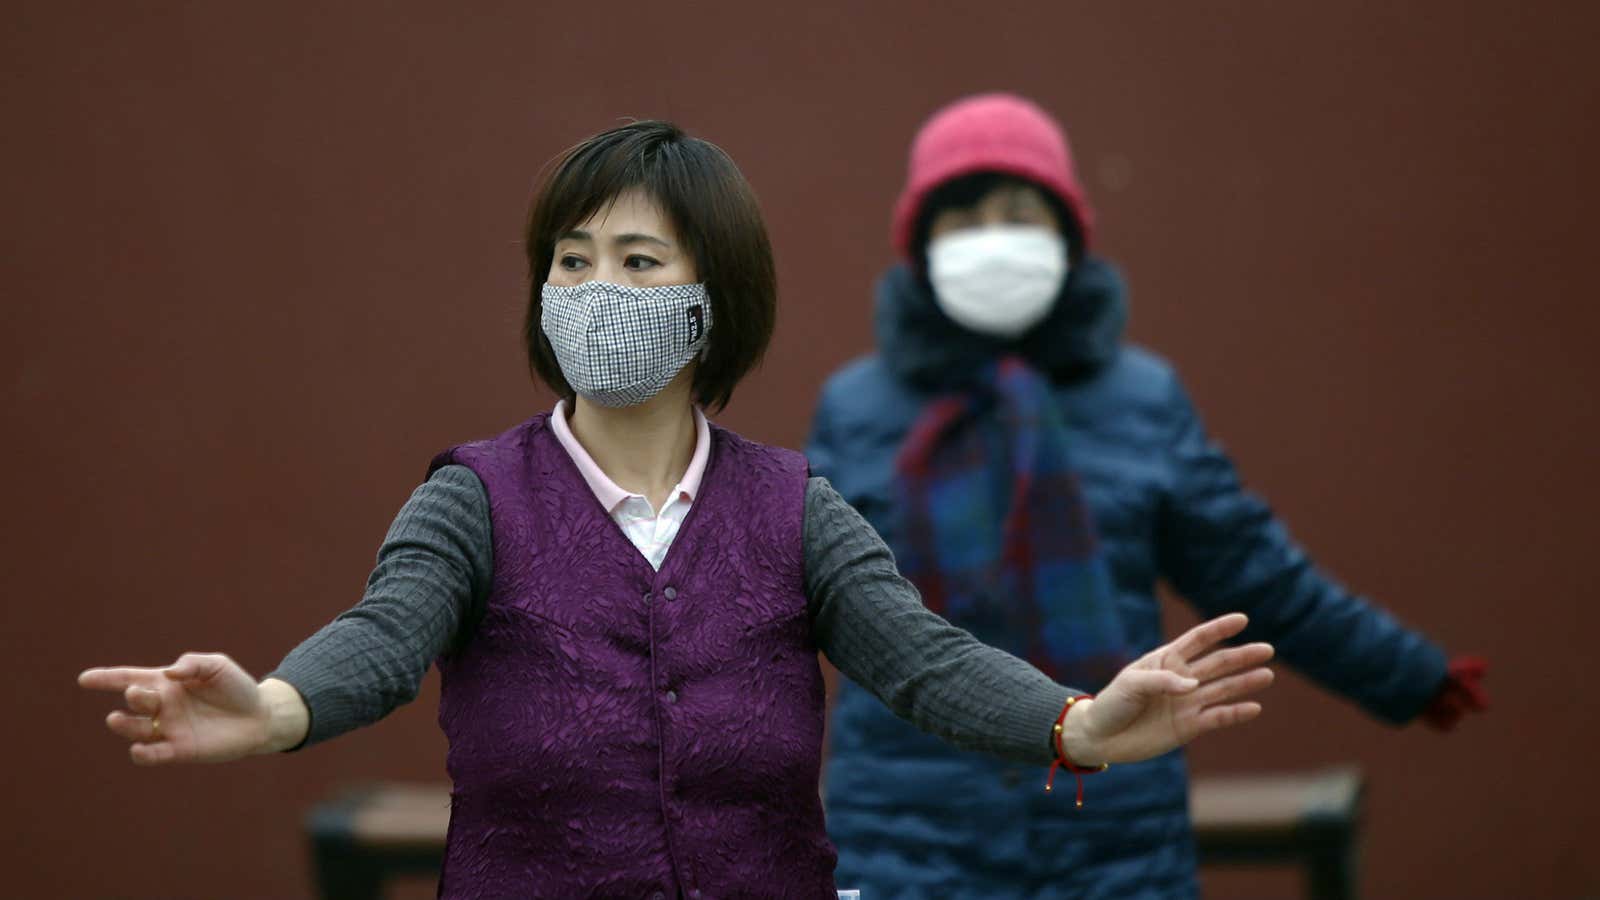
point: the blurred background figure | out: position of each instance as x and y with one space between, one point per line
1035 476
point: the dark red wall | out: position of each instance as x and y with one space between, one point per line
261 261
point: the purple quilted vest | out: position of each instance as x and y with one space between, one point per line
621 732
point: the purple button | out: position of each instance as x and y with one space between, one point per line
672 696
670 593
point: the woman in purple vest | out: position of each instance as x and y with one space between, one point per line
626 601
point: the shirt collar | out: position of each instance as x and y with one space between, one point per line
605 490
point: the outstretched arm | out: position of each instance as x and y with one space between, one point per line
1223 549
872 624
431 576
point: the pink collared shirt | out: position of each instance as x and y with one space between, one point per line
650 531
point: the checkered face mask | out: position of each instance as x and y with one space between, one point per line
620 345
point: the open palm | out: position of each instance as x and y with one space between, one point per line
1171 695
202 708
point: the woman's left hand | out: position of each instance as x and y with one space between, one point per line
1170 696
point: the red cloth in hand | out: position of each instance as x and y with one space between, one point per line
1461 693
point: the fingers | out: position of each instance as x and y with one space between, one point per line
1206 635
1226 662
132 727
1233 687
146 701
152 754
197 666
1226 716
189 667
116 678
1155 682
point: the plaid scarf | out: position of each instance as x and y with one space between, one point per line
996 534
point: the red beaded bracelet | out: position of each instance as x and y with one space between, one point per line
1062 762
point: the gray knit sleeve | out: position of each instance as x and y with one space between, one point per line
429 587
871 623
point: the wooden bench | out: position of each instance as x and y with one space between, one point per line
1309 819
367 835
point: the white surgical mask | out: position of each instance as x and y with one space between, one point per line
620 345
999 280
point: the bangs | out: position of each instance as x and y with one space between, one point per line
966 191
591 176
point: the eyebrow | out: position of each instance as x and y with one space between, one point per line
621 240
1021 196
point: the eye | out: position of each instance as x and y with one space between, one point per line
571 262
955 220
639 263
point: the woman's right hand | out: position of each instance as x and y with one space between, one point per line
202 708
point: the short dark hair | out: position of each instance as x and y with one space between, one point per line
967 190
712 208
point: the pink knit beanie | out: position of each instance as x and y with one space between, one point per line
988 133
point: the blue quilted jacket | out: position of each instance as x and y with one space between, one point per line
914 818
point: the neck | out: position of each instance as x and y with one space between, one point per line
646 448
